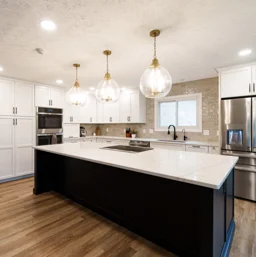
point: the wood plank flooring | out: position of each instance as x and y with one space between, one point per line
51 225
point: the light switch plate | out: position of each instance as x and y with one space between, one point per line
218 133
151 131
206 132
124 130
106 129
144 131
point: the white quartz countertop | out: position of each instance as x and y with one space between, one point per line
155 140
207 170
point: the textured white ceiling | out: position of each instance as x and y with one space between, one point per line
196 36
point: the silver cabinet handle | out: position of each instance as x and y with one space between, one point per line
196 146
70 119
90 119
16 110
51 102
128 118
250 87
13 121
16 122
110 119
253 87
13 110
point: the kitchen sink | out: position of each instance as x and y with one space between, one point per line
171 141
127 148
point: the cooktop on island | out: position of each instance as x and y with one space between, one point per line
127 148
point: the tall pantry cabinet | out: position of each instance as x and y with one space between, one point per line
17 128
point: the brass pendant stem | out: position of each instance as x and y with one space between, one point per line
76 65
107 53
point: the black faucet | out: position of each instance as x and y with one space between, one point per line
174 132
184 136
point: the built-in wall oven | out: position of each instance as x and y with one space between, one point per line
49 128
238 127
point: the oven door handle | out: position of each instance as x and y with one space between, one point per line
46 113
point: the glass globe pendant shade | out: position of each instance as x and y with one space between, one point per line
155 82
107 90
76 96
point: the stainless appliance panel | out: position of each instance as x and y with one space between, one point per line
245 158
49 139
245 183
236 124
254 124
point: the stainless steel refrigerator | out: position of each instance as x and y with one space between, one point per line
238 128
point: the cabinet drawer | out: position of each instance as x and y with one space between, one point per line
197 148
177 147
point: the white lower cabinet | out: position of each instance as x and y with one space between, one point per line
197 148
16 141
176 147
6 148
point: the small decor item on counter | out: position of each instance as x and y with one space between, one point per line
133 133
97 131
128 132
82 132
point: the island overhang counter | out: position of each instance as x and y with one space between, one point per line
182 201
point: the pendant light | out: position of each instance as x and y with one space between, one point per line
76 96
156 81
107 90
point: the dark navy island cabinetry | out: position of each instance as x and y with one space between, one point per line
186 219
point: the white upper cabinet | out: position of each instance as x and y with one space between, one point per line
71 114
237 82
57 97
111 112
100 112
132 107
6 97
88 113
24 99
49 97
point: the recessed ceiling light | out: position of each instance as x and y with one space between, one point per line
59 81
1 68
92 88
48 25
245 52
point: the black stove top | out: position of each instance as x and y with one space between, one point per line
127 148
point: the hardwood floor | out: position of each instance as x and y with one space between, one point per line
50 225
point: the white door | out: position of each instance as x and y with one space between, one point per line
100 112
23 146
254 79
57 98
236 82
6 148
92 108
111 112
125 107
135 110
6 97
24 99
42 96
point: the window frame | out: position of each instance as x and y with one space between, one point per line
177 98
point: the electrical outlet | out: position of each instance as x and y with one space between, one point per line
206 132
151 131
124 130
106 129
144 131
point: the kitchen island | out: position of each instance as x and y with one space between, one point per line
182 201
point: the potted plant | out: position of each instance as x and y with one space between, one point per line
133 133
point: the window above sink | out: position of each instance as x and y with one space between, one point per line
182 111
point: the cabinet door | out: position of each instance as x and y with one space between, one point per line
125 107
111 112
57 98
197 148
100 112
236 82
135 107
88 113
6 97
42 96
71 130
176 147
24 99
6 148
23 146
254 79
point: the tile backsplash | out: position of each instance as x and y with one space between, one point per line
210 114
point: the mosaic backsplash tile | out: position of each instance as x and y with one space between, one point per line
210 114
